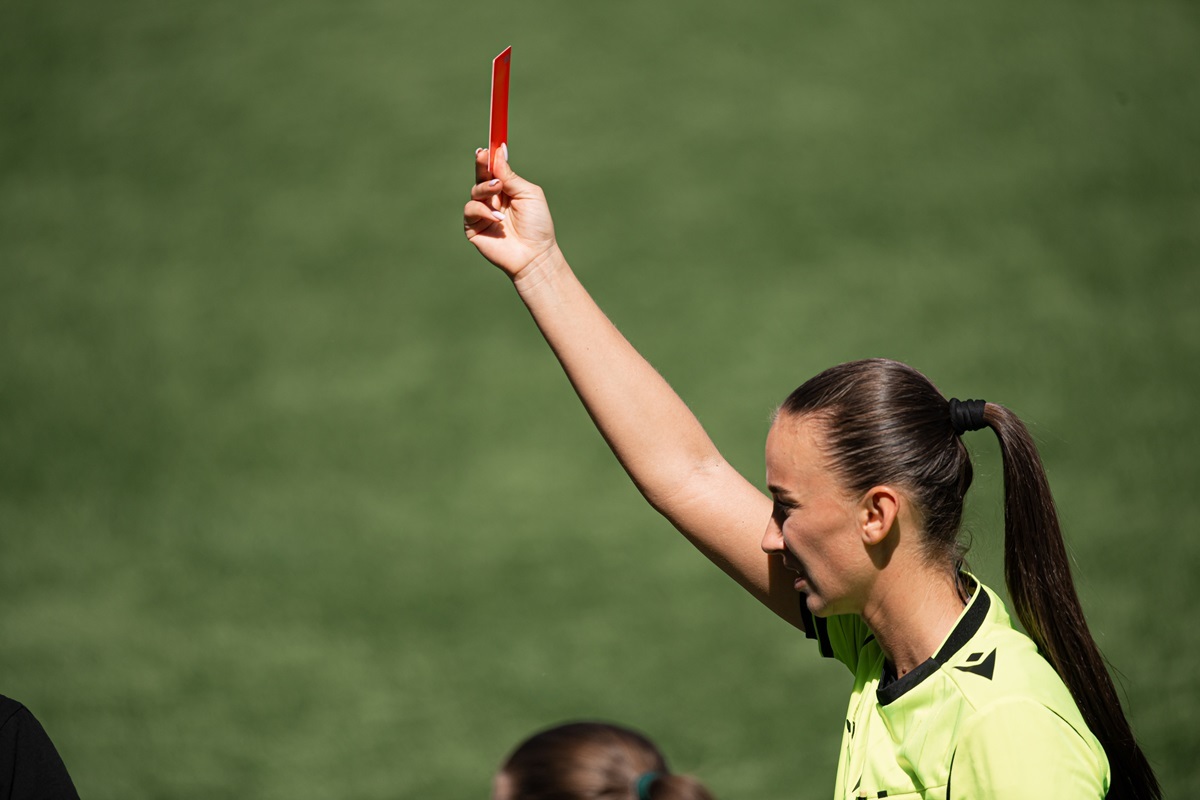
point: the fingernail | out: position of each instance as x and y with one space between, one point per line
497 215
478 150
504 149
495 182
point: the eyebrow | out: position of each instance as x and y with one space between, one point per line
779 491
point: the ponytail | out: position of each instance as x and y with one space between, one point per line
1038 576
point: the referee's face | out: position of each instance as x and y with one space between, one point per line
814 527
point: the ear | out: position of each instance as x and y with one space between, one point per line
877 512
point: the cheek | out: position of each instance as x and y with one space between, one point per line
820 539
806 547
794 534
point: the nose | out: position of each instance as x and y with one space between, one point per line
772 541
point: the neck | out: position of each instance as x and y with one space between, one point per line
910 625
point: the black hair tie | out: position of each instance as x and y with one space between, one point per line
967 415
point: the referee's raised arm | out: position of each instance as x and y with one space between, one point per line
654 435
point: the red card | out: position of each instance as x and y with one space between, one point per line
498 129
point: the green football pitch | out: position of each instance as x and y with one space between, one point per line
294 502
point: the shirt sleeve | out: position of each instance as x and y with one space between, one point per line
1019 749
30 766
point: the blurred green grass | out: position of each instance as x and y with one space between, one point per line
295 503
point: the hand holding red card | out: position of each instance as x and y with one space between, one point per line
498 127
507 218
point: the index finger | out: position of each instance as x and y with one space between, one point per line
482 173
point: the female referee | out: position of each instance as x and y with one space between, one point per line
867 474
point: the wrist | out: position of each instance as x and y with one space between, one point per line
540 270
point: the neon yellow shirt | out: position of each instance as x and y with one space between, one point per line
985 717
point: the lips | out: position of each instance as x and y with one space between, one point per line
791 566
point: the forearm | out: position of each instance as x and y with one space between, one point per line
654 435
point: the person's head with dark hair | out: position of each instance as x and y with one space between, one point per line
590 761
872 447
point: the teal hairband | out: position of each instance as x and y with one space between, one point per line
643 784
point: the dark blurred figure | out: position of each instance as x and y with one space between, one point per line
30 767
590 761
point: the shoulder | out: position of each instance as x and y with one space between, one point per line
1003 717
1023 735
1017 747
997 662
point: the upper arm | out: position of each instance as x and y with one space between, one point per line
725 516
1019 749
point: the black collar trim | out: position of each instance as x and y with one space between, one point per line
815 627
968 626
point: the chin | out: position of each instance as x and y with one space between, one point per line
818 606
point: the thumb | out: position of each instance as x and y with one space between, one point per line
514 185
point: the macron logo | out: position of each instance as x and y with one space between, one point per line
980 664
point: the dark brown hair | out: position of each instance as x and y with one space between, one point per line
884 422
590 761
